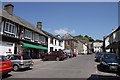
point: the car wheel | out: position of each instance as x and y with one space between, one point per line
57 59
15 68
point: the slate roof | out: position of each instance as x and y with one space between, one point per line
113 32
82 40
49 34
67 36
20 21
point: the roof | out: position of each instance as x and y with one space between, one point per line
113 32
67 36
47 33
19 21
82 40
51 35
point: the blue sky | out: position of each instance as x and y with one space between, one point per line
95 19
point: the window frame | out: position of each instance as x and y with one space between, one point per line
10 28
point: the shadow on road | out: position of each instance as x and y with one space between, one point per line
24 69
6 76
103 77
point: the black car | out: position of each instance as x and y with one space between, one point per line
109 62
98 56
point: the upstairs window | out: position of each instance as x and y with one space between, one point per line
42 39
10 28
36 37
28 34
51 40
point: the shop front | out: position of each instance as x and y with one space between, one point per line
34 51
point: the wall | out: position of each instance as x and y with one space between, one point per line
5 46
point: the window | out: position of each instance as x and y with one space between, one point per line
36 37
68 42
51 40
42 39
3 58
55 42
28 34
10 28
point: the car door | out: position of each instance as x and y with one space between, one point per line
48 56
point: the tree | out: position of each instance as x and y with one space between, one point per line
86 37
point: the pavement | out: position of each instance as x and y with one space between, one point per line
36 60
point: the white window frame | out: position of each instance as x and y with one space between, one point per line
10 30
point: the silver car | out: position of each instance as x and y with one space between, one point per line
20 61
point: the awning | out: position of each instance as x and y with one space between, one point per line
34 46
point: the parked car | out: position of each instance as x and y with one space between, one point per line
69 53
98 56
54 55
5 65
20 61
109 62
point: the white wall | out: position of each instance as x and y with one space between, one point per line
97 46
106 44
5 46
84 49
55 46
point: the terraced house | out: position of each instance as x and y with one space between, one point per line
20 36
54 42
112 42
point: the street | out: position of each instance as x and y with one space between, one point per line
82 66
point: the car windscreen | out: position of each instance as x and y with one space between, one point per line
3 58
26 57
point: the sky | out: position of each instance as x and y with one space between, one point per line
95 19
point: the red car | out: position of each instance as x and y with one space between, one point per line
5 65
54 55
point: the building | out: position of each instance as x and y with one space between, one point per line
70 42
112 42
97 46
90 47
54 42
19 36
82 46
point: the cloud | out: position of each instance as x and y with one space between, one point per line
63 31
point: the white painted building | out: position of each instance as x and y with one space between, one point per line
7 48
97 46
54 42
107 43
56 45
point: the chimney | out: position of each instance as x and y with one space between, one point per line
39 25
9 8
